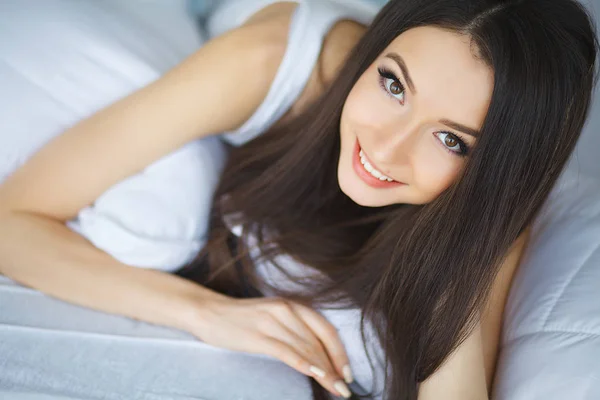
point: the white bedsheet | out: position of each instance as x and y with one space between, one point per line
53 350
50 348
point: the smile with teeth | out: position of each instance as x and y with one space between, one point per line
370 169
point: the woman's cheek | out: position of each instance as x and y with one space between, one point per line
365 103
434 175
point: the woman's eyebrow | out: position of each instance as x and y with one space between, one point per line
460 127
402 65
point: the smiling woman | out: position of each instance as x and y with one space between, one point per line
375 203
409 135
407 189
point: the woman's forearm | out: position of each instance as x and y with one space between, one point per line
44 254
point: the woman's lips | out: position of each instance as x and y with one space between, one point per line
366 176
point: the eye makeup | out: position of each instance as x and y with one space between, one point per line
384 74
463 148
387 74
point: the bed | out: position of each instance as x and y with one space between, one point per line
53 350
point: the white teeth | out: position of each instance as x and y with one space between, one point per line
371 169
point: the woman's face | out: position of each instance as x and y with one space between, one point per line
411 119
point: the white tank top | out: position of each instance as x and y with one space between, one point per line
311 21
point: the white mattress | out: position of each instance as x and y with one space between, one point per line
53 350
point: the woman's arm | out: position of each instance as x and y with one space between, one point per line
42 253
468 373
462 376
214 90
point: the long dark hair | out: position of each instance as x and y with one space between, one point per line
419 273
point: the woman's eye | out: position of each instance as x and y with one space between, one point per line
452 143
392 85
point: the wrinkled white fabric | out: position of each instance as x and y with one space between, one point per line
60 61
53 350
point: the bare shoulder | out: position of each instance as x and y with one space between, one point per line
493 315
515 253
337 45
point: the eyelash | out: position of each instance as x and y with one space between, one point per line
384 74
464 148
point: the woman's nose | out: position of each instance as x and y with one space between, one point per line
392 145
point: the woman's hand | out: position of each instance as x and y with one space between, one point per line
293 333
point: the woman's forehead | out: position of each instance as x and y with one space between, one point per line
447 74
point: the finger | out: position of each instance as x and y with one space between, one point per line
295 323
291 357
310 348
330 338
306 337
303 340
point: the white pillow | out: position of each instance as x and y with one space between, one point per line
60 61
551 337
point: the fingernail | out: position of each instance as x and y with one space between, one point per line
342 389
317 371
347 374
